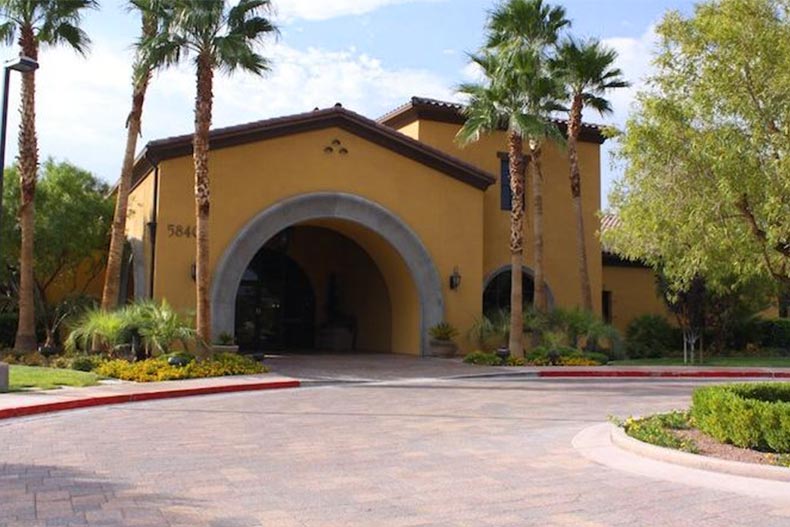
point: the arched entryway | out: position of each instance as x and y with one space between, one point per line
412 281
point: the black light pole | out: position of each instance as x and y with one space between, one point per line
21 64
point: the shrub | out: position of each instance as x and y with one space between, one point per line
443 331
156 326
84 362
774 333
483 358
649 336
158 369
225 339
490 333
564 356
656 430
746 415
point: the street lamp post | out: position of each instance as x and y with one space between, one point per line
21 64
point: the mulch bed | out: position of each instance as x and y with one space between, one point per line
710 447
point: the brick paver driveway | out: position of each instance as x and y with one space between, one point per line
422 452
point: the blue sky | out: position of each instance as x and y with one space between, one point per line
371 55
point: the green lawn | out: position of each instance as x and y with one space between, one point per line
739 362
23 377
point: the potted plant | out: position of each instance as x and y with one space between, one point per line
441 343
226 344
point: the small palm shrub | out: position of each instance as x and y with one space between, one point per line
490 333
443 331
157 328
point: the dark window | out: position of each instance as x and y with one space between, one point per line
504 180
496 297
607 307
505 196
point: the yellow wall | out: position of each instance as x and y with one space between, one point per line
447 215
634 294
140 212
559 242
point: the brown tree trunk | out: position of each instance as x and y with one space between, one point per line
540 300
112 278
203 104
574 126
516 166
28 172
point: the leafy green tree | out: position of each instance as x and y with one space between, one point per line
706 190
72 227
220 37
588 72
35 23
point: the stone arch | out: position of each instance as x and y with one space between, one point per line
317 206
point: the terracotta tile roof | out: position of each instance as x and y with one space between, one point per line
609 221
336 116
451 112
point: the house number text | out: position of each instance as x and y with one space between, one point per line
181 231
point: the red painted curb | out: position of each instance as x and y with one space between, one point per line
60 406
717 374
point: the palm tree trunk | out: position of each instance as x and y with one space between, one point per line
516 166
112 278
28 172
540 300
203 103
574 126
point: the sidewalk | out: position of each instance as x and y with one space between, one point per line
18 404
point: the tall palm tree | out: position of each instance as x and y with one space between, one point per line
542 95
588 72
220 37
35 23
141 77
523 33
492 105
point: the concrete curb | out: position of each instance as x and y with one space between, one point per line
714 374
626 374
735 468
89 402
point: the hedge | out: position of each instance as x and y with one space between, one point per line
747 415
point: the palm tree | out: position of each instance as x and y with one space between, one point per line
34 23
220 37
495 104
588 72
523 32
140 79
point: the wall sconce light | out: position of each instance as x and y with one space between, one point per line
193 272
455 279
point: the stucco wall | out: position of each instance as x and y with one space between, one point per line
560 235
634 294
446 215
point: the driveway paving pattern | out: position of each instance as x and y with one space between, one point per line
422 452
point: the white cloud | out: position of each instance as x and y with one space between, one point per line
635 59
323 10
82 103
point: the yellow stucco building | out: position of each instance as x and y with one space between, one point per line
333 231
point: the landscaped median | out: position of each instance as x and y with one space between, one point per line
741 429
